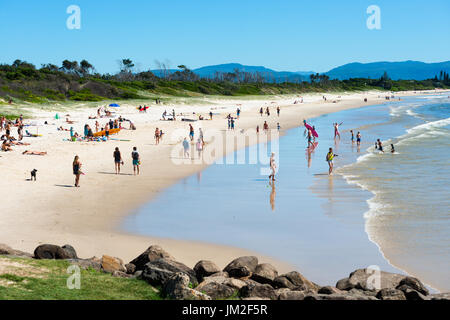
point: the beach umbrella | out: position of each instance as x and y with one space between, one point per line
115 105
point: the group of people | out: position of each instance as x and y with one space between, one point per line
7 138
267 111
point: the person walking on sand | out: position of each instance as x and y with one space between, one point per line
157 136
191 132
186 148
273 166
329 159
76 167
199 146
136 160
261 111
268 111
278 111
117 160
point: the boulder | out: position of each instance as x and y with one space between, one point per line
70 251
131 268
287 294
358 292
50 251
258 291
264 273
412 294
330 290
169 267
7 250
153 253
294 280
111 264
366 279
233 283
219 274
93 263
241 267
177 287
414 284
205 268
337 297
216 290
390 294
440 296
154 275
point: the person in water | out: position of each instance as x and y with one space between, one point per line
336 130
380 145
329 159
309 138
76 166
273 166
353 136
392 148
358 138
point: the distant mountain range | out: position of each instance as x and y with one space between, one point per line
406 70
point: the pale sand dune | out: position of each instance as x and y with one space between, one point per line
52 211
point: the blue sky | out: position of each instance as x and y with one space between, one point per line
293 35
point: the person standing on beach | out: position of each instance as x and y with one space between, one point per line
76 167
261 111
232 124
199 148
157 136
268 111
186 148
238 112
136 160
278 111
257 129
273 166
191 132
229 124
210 115
117 160
329 159
278 126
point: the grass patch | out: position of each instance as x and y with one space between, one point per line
51 283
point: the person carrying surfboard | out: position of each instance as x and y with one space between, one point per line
329 159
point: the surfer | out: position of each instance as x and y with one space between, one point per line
329 159
392 148
273 166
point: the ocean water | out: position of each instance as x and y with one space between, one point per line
389 210
409 210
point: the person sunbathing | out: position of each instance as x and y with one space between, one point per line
69 121
36 153
19 143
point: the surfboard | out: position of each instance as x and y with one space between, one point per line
102 133
307 126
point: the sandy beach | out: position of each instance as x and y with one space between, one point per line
51 210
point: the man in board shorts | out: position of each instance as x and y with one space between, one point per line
136 160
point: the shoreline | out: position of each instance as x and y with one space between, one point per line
89 218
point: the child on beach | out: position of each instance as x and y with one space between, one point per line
329 159
136 160
191 132
157 136
76 166
117 160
